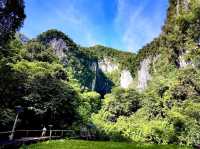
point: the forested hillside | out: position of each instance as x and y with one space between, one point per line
50 76
152 96
166 108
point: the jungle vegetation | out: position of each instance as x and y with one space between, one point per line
58 91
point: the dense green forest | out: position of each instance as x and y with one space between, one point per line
59 82
168 110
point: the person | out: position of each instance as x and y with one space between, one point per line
44 131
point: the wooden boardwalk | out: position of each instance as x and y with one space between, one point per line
27 140
31 136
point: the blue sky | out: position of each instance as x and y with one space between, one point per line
122 24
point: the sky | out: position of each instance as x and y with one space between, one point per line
122 24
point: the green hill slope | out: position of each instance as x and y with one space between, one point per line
166 108
152 96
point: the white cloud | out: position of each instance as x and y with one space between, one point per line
72 19
137 29
87 22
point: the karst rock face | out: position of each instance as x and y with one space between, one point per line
144 74
107 66
59 47
94 69
126 79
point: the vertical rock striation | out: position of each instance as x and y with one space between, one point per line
107 66
144 74
59 47
126 79
94 69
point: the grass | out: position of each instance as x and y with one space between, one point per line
79 144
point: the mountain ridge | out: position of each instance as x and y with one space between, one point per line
152 96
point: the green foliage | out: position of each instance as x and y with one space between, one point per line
6 118
36 68
32 76
58 91
125 59
12 17
122 103
47 36
150 50
52 101
169 111
46 96
36 51
114 77
90 103
74 59
93 99
11 84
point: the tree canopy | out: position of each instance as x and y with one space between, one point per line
11 18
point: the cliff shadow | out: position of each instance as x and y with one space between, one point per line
103 84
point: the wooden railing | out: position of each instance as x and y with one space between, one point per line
37 133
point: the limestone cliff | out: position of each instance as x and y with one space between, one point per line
107 66
144 74
126 79
59 46
112 70
94 69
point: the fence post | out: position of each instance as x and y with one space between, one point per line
50 126
13 129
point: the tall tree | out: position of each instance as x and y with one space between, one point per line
11 18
